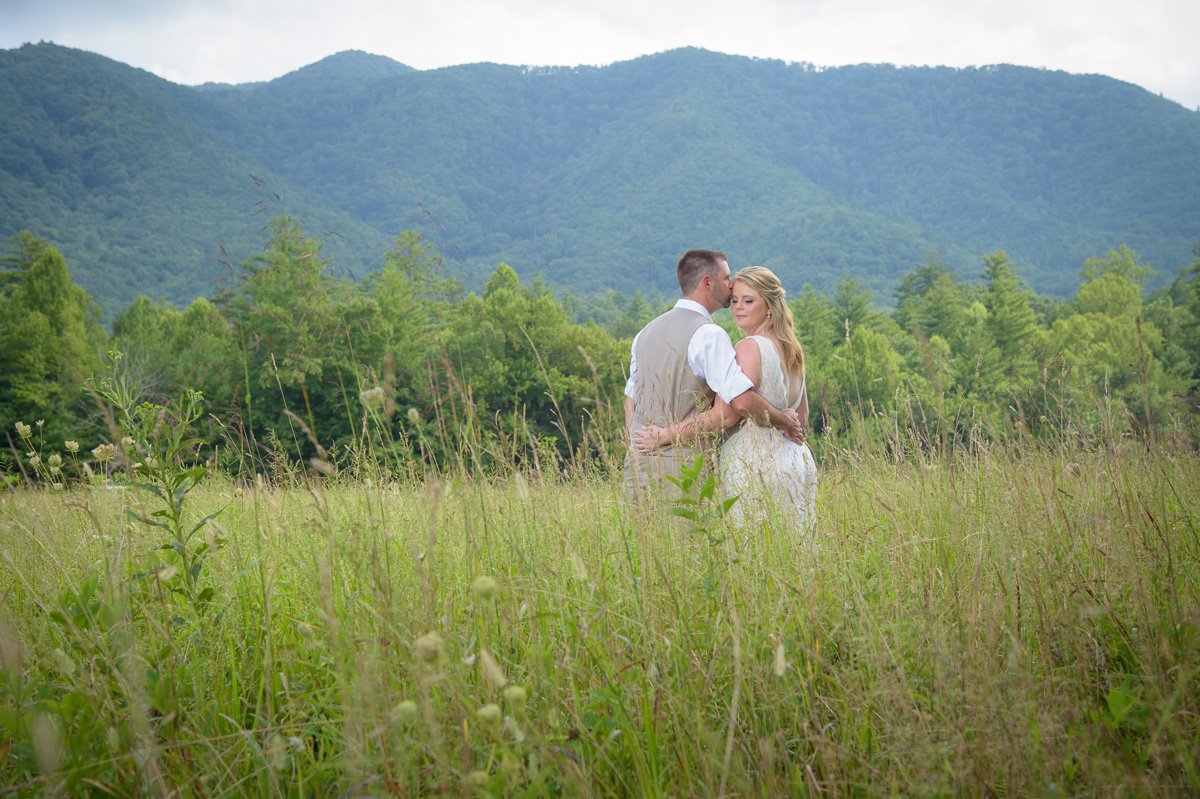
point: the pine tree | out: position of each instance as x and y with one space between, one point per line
1010 318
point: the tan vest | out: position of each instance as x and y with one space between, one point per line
665 392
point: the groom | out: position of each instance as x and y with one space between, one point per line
681 361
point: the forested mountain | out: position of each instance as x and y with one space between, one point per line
118 170
597 177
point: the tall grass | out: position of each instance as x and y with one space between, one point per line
993 620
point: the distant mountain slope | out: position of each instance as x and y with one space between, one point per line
109 163
815 173
600 177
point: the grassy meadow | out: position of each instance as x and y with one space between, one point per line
992 620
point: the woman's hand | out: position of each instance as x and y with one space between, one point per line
649 439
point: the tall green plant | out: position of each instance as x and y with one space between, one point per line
160 447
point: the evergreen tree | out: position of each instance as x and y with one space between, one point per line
855 305
915 285
1010 319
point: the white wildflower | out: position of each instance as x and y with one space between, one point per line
372 397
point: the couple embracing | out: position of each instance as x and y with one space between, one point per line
688 385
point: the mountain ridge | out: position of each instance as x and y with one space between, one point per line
598 177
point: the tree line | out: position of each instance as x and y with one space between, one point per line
300 366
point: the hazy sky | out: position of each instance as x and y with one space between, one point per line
1150 43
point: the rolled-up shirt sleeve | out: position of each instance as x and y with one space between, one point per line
711 358
632 368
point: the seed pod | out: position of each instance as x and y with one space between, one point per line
430 649
490 717
516 697
405 712
484 587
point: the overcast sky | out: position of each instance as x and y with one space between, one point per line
1150 43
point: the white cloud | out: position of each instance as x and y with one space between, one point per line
1148 43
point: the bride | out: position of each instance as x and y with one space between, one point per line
769 473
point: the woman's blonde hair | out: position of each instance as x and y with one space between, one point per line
779 320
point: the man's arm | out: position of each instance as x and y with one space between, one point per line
719 417
630 387
750 405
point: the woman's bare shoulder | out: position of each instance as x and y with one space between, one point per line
747 346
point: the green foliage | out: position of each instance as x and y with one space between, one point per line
1010 319
514 358
48 327
160 446
1107 342
302 365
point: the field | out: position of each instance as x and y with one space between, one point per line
988 621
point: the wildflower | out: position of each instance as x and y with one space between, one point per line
489 717
24 430
34 460
55 461
126 441
484 588
430 649
516 697
413 416
104 452
71 446
372 397
405 712
40 422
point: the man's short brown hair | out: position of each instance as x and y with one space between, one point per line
694 265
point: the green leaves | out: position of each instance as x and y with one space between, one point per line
702 510
159 442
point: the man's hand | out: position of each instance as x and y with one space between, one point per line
649 439
752 406
794 431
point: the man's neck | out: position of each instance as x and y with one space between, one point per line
703 301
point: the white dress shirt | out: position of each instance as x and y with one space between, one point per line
710 356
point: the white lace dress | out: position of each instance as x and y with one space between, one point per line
773 478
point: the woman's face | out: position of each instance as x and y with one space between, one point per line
748 307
